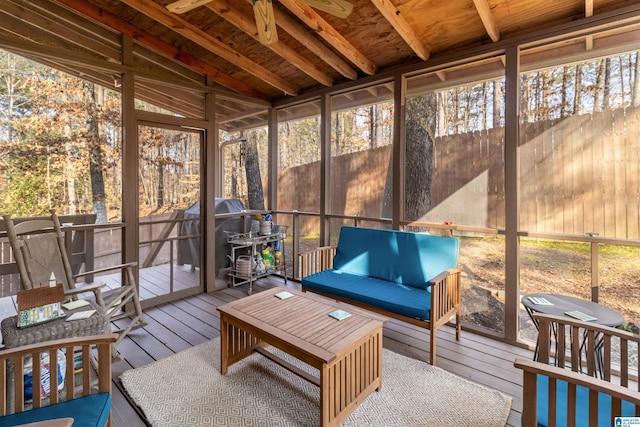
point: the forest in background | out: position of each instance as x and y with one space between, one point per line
60 140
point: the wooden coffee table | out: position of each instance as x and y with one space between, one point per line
347 352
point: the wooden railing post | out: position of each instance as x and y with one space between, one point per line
296 244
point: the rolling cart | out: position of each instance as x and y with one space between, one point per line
246 256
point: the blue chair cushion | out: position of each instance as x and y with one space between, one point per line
86 411
391 296
411 259
582 405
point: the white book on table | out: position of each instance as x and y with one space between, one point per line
81 315
72 305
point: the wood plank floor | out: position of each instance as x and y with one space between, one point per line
191 321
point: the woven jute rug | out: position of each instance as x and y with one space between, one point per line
186 389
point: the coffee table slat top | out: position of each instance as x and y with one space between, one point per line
304 321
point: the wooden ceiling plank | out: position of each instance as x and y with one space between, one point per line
207 41
102 16
33 49
62 23
225 10
75 42
311 18
489 22
396 19
157 60
299 32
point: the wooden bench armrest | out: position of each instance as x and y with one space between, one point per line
532 369
17 356
445 295
316 260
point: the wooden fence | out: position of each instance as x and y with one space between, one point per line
578 175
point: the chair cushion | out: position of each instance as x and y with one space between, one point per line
582 405
86 411
406 258
390 296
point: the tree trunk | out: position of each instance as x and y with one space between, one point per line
70 171
420 129
497 103
95 158
255 192
564 107
443 125
380 126
338 134
598 104
577 101
160 198
483 107
467 109
372 126
606 97
635 97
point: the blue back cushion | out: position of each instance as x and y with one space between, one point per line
410 259
582 405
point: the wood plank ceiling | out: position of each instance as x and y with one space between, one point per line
314 49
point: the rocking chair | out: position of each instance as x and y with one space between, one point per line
39 251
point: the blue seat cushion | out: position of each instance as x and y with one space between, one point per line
86 411
390 296
582 405
411 259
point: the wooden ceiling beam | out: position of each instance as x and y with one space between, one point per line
489 22
227 11
312 19
242 115
396 19
174 22
588 11
300 33
102 16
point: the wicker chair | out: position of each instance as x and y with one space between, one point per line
39 250
594 380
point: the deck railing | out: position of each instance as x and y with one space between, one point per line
88 250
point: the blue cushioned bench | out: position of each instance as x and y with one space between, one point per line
572 390
412 277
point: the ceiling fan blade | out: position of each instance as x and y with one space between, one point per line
182 6
265 21
339 8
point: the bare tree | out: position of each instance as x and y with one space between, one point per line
255 191
96 167
577 100
497 103
420 131
635 97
